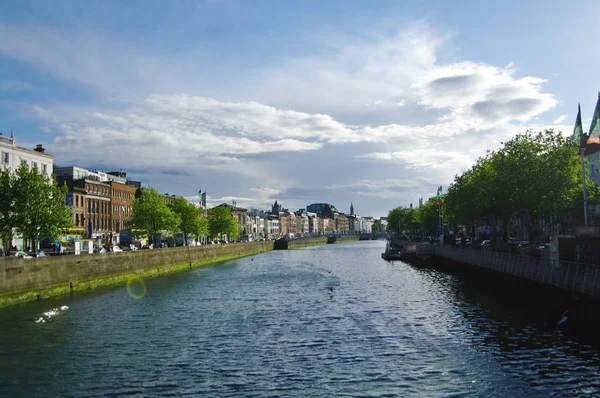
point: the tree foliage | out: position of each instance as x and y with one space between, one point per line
191 219
428 216
7 211
31 205
222 222
534 173
416 222
375 229
152 215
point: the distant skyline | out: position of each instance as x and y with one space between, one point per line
301 102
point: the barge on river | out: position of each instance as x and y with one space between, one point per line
393 252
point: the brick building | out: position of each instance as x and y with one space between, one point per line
121 205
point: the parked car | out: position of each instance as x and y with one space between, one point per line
21 254
524 244
514 241
116 249
545 247
486 243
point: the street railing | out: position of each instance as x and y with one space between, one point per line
571 276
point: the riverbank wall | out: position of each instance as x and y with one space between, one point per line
575 278
23 280
321 240
555 286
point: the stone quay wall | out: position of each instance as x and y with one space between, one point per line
18 274
578 278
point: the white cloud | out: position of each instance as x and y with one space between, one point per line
481 95
560 119
385 97
417 158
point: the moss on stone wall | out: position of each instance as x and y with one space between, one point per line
110 280
68 275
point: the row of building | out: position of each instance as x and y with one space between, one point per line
315 219
101 203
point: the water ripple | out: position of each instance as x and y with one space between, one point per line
326 321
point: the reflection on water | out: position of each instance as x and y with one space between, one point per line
332 320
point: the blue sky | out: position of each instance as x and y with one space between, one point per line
376 103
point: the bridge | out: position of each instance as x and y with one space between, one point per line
360 236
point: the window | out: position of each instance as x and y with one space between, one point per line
24 162
34 165
5 157
45 169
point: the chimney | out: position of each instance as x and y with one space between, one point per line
40 148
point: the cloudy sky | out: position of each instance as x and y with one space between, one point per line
375 103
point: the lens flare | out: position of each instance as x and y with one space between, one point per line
136 287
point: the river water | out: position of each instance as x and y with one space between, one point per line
322 321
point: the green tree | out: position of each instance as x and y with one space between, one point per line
7 211
428 217
534 173
375 228
202 226
152 215
222 222
191 219
403 220
39 206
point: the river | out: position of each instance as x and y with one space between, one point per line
323 321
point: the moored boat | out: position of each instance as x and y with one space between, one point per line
280 244
392 252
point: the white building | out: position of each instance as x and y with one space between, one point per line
366 224
79 173
12 156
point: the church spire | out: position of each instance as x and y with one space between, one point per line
351 209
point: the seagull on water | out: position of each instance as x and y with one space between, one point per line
565 317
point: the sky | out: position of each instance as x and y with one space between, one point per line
374 103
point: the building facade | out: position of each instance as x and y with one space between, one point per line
13 156
121 208
323 210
